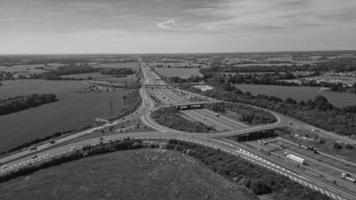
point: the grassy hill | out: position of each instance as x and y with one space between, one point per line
138 174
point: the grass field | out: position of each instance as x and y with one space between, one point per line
130 175
180 72
73 110
132 65
300 93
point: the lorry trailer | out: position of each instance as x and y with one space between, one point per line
295 158
348 177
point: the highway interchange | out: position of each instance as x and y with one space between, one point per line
215 140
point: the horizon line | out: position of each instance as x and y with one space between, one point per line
182 53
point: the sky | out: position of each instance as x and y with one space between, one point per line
175 26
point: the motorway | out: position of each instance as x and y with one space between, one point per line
64 145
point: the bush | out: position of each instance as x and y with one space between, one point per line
259 187
337 146
349 146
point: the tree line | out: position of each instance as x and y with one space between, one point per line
256 178
70 69
117 71
20 103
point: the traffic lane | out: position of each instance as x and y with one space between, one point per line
50 153
207 120
297 174
233 124
237 124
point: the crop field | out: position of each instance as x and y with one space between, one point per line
181 72
73 110
131 175
132 65
300 93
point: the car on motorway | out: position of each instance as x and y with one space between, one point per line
32 148
348 177
73 148
4 166
52 142
34 157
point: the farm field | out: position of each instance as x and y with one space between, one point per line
132 65
181 72
130 175
300 93
73 110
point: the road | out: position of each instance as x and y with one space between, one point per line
47 151
315 183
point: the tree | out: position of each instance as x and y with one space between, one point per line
124 98
322 103
259 187
290 101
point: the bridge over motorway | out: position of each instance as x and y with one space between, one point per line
193 105
108 84
169 86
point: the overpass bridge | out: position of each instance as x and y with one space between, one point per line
108 84
169 86
192 105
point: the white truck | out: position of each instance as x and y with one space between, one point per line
348 177
295 158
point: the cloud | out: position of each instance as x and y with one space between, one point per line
207 25
158 1
272 14
11 19
169 25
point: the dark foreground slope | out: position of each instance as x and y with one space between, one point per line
135 174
